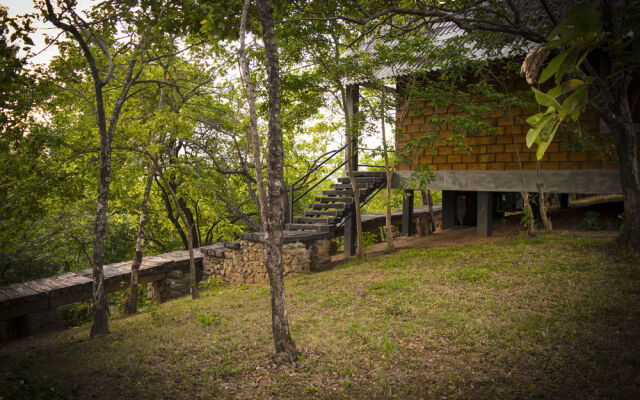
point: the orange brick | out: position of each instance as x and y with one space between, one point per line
550 165
553 148
505 121
495 148
479 149
591 165
469 158
470 141
504 139
557 156
611 165
426 159
418 121
495 166
497 113
445 150
509 149
569 165
486 158
515 129
512 166
454 159
414 128
578 156
504 157
453 109
440 159
477 167
459 167
444 167
487 140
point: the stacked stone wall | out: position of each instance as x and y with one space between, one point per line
243 262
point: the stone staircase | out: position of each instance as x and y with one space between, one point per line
335 205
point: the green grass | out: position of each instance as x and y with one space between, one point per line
554 317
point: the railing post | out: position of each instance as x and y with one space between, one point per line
291 197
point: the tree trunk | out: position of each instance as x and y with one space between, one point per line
388 175
542 201
132 303
427 200
192 264
253 115
630 181
526 205
285 348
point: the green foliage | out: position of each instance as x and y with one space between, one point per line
590 222
208 320
76 314
575 37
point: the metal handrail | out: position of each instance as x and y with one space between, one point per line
292 187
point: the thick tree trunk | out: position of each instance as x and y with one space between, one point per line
253 115
388 174
630 182
132 302
285 348
542 201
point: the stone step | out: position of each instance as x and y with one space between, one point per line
348 186
362 179
330 199
378 174
311 227
320 206
345 193
316 221
331 213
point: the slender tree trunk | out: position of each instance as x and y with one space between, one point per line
526 205
543 203
253 115
132 302
427 200
285 348
192 264
388 174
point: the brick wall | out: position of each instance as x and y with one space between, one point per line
494 150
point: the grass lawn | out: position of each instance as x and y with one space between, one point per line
553 317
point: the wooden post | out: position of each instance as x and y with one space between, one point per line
351 104
485 214
350 234
407 213
448 208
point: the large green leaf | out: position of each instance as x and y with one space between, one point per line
544 99
553 67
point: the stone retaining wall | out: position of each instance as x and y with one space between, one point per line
243 261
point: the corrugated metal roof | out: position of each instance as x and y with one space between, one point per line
441 33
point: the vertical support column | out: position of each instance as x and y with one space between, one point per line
564 201
448 208
407 213
352 107
351 153
485 214
350 234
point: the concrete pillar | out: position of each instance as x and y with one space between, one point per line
407 213
448 208
485 214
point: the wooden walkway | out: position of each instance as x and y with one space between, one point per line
48 293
